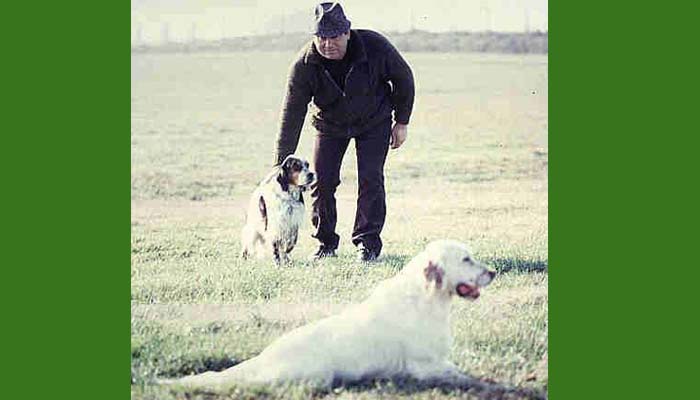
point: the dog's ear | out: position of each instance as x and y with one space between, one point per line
433 273
283 175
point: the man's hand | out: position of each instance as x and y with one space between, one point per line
398 135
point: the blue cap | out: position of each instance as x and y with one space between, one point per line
330 20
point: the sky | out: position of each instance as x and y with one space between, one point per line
152 21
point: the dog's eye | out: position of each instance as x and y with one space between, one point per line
467 259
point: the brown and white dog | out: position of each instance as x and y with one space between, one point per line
276 210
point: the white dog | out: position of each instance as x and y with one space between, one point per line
276 210
401 330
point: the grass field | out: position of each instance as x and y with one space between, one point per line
474 168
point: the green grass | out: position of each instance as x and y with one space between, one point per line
474 169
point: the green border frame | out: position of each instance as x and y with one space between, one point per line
620 286
66 167
622 289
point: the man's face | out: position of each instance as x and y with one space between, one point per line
333 48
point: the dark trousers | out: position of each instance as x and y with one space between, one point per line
372 147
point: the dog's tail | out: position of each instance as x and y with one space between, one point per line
241 373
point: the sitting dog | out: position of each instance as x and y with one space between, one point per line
401 330
276 210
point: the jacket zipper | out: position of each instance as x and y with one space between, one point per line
328 74
347 76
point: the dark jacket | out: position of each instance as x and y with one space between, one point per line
379 81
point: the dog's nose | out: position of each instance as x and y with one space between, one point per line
310 176
492 274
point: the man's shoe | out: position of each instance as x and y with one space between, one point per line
322 252
365 254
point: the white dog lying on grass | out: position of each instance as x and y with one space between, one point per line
401 330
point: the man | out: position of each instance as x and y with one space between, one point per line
356 79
